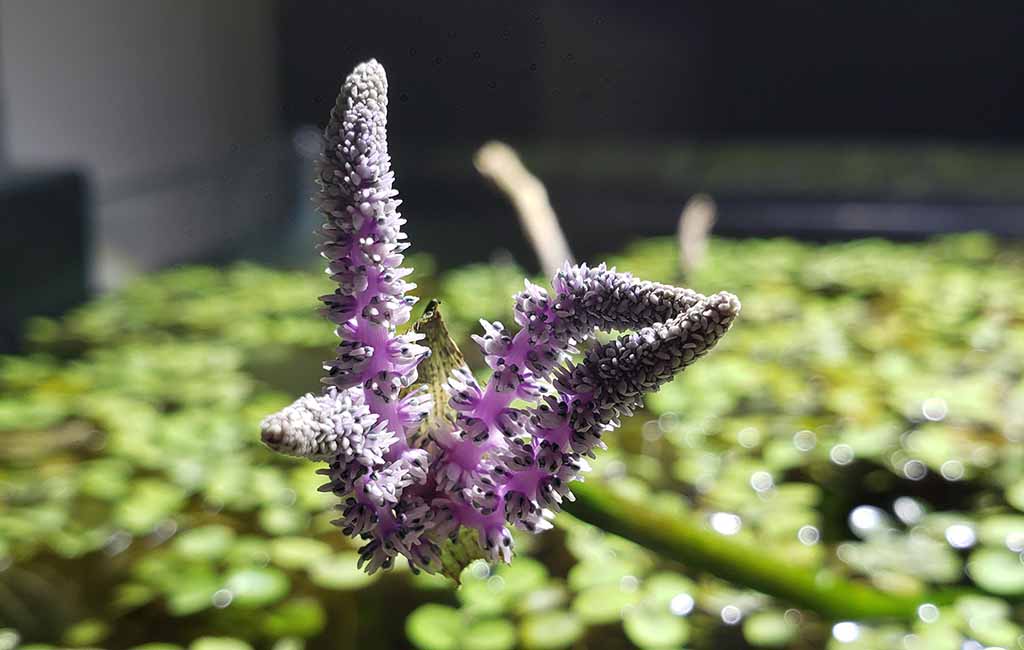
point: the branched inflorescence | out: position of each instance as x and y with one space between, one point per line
496 464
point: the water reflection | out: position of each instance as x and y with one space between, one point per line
726 523
846 631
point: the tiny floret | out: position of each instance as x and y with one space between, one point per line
337 424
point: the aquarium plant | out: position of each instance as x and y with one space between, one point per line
516 443
845 475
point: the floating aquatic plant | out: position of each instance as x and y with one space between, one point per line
175 420
128 453
509 455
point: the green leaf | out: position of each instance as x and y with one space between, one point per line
996 633
227 484
269 485
132 594
654 628
768 629
206 542
288 644
105 479
1005 531
457 554
298 552
481 593
340 572
998 571
661 588
150 502
283 520
549 597
590 573
431 582
219 643
301 617
494 634
981 608
248 550
190 590
89 632
939 635
9 638
434 627
523 575
1015 495
603 603
256 587
433 373
550 630
304 481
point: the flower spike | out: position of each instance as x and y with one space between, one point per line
416 467
361 424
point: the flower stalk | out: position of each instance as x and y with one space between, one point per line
686 540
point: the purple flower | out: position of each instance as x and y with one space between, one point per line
361 424
493 465
520 462
333 425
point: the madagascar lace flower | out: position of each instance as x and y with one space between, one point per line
361 423
509 465
491 465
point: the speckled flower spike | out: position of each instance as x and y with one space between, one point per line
489 465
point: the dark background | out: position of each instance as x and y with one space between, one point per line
548 69
819 120
147 133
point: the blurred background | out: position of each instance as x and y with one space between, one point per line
158 285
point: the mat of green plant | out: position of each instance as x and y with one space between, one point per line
865 418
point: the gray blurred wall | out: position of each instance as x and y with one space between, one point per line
170 106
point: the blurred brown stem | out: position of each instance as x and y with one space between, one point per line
695 224
500 163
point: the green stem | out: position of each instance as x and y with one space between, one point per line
755 567
682 538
